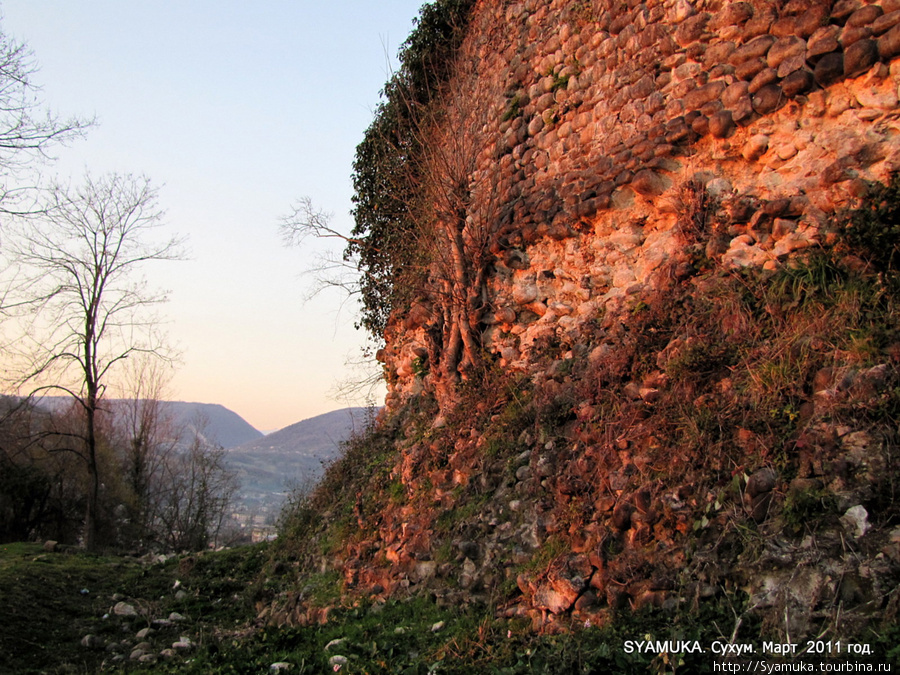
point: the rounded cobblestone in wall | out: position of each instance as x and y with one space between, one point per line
733 14
811 20
760 23
829 69
691 29
700 125
786 25
852 34
756 48
885 23
785 48
721 125
859 57
718 54
699 96
864 16
798 82
792 64
889 43
750 69
765 77
756 147
648 183
734 93
722 71
823 41
842 9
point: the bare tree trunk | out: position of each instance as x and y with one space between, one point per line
93 493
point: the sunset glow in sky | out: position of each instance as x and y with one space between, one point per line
234 110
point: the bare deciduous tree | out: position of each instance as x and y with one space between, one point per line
180 486
195 495
460 214
27 132
330 271
146 437
333 271
83 306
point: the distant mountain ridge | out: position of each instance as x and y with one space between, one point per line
214 422
267 466
222 426
297 454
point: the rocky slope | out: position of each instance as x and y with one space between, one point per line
691 396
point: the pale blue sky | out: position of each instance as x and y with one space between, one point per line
234 109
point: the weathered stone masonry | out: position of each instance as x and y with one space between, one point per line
610 127
604 110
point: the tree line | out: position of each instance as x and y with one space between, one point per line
78 320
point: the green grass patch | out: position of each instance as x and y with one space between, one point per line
52 600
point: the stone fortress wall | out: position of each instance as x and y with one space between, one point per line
602 111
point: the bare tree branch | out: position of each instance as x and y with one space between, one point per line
80 305
306 220
28 132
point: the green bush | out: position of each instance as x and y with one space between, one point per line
804 509
873 230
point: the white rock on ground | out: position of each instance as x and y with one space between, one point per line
184 644
856 520
91 642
